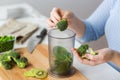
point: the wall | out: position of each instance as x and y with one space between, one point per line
82 9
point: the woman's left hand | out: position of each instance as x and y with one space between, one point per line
104 55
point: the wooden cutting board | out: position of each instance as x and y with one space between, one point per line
38 59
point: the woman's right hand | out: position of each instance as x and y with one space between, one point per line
73 22
57 14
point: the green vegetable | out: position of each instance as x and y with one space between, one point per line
9 58
62 62
82 50
59 52
5 57
6 43
92 52
6 61
14 55
6 64
22 62
36 72
62 24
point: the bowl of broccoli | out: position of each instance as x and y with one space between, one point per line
6 43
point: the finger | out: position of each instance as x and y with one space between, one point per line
89 62
76 54
50 23
89 56
56 12
86 61
66 14
92 57
55 21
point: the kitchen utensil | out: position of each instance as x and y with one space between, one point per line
35 40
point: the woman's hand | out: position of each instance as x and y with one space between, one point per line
104 55
73 22
57 14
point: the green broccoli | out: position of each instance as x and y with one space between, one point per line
9 58
22 62
5 57
62 24
14 55
85 48
6 64
82 50
6 61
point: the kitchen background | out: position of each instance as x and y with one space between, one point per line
81 8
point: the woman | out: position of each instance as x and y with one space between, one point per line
105 20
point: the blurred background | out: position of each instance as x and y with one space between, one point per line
81 8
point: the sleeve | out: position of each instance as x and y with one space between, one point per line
94 25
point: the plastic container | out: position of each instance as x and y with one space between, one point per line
60 55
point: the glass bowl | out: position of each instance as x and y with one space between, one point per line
6 43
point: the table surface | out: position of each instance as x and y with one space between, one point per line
37 59
99 72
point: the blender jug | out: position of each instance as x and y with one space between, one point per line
60 55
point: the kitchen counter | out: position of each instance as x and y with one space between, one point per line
100 72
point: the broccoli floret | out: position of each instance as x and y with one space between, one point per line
82 49
22 62
14 55
6 61
5 57
6 64
62 24
85 48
